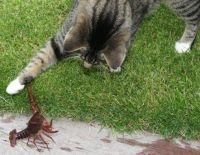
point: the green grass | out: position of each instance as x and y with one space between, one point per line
158 90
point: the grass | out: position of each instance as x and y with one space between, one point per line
158 89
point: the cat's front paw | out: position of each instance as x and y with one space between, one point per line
14 87
182 47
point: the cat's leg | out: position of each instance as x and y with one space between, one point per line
46 57
115 57
190 13
185 43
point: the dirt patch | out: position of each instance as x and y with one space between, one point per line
168 147
161 147
9 119
66 149
79 148
131 142
105 140
77 143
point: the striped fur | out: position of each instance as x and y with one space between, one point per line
102 30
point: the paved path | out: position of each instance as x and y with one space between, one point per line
77 138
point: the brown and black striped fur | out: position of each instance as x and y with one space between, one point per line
102 30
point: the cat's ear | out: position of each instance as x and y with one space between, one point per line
77 36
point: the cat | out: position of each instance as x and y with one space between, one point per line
101 31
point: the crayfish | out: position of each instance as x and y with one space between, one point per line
36 126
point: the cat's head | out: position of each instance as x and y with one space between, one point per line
76 41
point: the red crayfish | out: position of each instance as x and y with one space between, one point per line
36 126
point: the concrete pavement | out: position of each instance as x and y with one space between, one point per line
78 138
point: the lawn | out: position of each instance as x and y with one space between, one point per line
158 90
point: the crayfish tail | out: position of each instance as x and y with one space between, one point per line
12 137
22 134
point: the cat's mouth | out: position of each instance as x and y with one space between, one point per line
92 60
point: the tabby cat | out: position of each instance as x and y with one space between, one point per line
101 31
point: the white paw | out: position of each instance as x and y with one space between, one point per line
115 70
14 87
182 47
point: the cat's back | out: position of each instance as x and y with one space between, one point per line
119 6
189 10
106 12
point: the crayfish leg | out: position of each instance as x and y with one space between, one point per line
49 137
34 139
28 140
42 139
